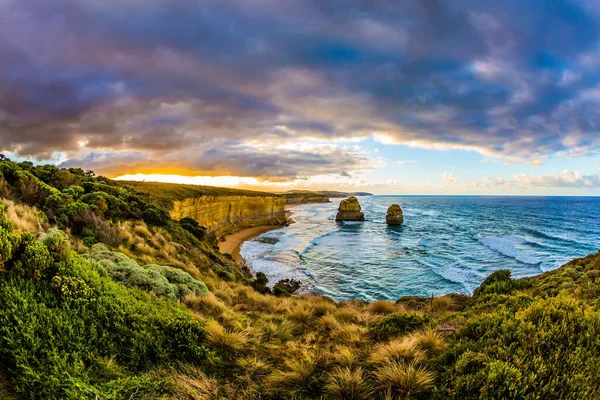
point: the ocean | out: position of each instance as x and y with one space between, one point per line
447 244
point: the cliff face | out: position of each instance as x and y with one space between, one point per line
304 198
227 214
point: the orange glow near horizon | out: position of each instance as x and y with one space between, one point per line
223 181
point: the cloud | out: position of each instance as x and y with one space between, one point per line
178 80
229 159
448 179
562 179
403 162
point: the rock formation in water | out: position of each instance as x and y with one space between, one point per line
349 210
394 215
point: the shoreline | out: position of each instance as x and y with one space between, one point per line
233 243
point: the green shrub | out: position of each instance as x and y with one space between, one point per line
164 281
30 259
57 243
260 283
397 324
546 351
500 282
286 287
52 334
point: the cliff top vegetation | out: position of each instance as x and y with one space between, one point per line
164 194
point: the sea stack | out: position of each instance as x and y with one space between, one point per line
349 210
394 215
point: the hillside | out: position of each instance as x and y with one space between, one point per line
104 296
332 193
165 194
304 197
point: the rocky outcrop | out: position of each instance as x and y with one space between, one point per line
223 215
349 210
394 215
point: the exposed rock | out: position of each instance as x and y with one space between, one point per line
223 215
394 215
304 197
349 210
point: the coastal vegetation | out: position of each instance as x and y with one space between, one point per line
104 296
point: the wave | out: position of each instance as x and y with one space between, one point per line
505 245
547 236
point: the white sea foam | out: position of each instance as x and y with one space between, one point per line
507 246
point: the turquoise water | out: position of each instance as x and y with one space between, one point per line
447 244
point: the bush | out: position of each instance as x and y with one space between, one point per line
30 259
500 282
52 334
57 244
164 281
548 350
286 287
397 324
260 283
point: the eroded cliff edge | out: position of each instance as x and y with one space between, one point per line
223 215
221 210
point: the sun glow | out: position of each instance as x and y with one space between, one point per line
227 181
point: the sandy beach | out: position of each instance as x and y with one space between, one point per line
232 243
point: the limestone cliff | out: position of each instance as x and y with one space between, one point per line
304 197
223 215
220 210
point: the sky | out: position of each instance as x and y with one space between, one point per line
385 96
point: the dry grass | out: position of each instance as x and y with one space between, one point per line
150 245
229 343
348 314
348 384
253 367
189 382
302 316
429 341
345 357
382 307
351 334
24 217
208 305
442 304
297 378
403 381
403 350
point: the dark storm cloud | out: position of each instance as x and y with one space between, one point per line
173 80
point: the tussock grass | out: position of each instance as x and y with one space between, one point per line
348 314
382 307
253 367
344 356
441 304
402 381
429 341
25 218
209 305
188 382
298 377
228 342
302 317
349 334
348 384
403 350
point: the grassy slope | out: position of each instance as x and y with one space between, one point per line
165 193
514 339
